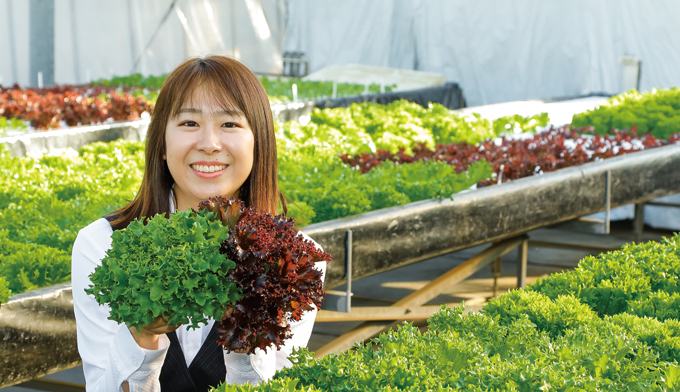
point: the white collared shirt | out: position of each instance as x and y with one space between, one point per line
110 354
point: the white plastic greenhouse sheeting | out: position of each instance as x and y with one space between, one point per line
98 39
561 113
655 216
496 51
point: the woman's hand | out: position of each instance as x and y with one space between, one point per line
147 337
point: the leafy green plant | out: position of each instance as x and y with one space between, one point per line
278 89
5 292
26 266
366 127
134 80
281 90
515 124
662 336
610 282
333 190
11 123
166 267
660 305
656 112
554 317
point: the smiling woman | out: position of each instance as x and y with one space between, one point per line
200 97
211 134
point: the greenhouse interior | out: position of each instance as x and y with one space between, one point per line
296 195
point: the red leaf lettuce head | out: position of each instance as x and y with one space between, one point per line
274 270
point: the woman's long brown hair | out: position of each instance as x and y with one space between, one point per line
233 86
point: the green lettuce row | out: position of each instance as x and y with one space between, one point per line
25 266
631 279
522 341
278 90
487 352
558 316
366 127
610 325
657 111
332 190
47 200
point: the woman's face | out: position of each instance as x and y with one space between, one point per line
209 151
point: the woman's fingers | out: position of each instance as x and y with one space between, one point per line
159 325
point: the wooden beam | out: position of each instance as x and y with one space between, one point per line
386 313
571 246
45 384
662 204
459 273
375 313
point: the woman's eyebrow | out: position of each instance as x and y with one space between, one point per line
229 112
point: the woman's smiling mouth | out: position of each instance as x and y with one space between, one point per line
208 170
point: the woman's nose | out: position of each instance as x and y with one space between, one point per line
209 142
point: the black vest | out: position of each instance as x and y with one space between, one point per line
205 371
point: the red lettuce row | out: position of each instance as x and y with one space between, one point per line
50 107
549 151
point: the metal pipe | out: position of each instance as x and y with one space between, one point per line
348 270
608 196
662 204
639 222
523 253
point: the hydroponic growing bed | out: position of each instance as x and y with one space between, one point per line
42 208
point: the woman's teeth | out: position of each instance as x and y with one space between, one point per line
208 168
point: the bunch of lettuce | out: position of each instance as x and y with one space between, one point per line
274 271
166 267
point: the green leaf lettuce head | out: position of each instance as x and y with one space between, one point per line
166 267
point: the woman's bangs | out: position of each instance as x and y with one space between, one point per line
205 90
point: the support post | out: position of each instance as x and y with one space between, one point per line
639 221
348 270
523 251
496 271
608 196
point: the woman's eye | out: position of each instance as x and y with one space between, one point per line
190 124
229 125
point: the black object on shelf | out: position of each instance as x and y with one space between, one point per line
448 94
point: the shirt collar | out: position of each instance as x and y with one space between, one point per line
172 199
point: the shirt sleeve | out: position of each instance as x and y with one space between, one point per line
301 330
109 353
